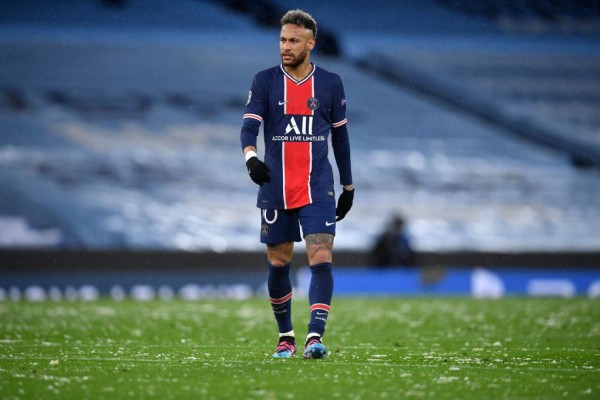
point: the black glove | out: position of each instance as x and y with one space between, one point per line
258 170
344 204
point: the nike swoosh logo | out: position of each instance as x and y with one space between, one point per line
327 223
283 102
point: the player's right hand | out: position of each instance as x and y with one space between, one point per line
259 171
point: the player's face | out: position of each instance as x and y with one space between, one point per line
295 43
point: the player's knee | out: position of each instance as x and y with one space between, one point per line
321 256
280 255
279 260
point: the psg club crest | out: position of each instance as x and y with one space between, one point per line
264 230
313 103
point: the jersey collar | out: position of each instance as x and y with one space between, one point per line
307 77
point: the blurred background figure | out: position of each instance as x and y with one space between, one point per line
393 247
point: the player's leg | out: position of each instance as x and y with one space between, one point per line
280 294
319 247
279 285
278 232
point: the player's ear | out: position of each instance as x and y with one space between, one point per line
311 43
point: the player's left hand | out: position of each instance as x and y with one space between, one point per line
344 204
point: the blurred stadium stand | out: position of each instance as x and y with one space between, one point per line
120 125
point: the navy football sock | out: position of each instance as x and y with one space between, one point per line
280 292
319 297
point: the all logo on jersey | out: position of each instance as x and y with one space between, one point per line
304 129
313 103
249 97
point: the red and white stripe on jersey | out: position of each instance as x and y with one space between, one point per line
281 300
319 306
297 156
297 166
254 116
342 122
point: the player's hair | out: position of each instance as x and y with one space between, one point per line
300 18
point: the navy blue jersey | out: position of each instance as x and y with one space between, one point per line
298 117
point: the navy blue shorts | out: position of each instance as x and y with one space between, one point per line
280 226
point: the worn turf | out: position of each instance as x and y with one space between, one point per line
380 349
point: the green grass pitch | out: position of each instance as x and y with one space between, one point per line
381 348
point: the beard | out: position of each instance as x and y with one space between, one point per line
295 60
